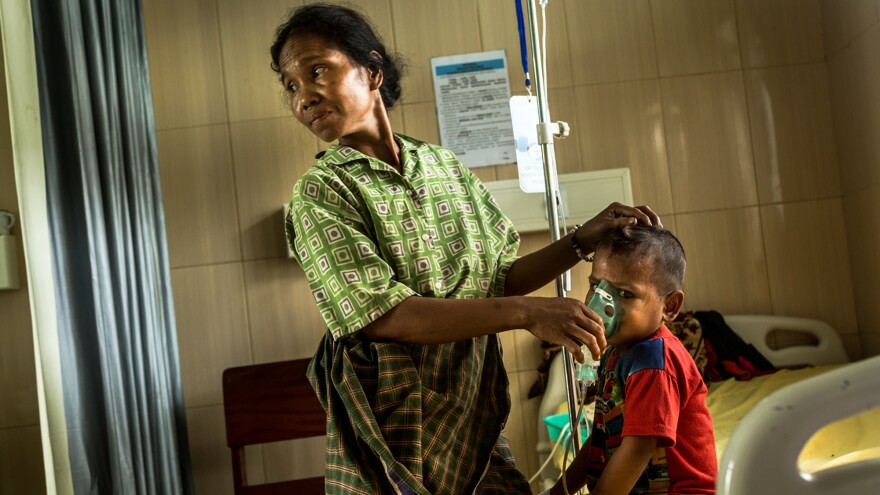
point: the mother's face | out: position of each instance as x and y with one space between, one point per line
329 93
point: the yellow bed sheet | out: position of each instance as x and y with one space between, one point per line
851 439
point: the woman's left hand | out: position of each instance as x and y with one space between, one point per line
615 216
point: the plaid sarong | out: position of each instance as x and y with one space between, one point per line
415 419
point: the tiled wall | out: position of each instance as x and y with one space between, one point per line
852 45
721 109
21 454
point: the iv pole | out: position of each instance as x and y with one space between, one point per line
546 132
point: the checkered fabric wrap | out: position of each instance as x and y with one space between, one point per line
405 418
415 419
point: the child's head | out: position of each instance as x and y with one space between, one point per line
646 264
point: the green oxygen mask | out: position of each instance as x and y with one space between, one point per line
606 303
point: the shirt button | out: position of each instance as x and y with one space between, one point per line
439 285
426 237
409 192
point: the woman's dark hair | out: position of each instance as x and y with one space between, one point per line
652 243
348 31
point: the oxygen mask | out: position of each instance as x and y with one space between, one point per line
606 303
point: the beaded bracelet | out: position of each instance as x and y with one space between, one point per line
577 247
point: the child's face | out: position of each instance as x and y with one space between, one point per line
643 308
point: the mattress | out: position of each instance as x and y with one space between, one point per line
730 400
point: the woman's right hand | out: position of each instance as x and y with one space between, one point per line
567 322
614 216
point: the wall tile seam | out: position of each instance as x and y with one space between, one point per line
849 44
206 406
654 78
861 189
753 154
801 201
230 123
856 38
789 66
820 197
211 265
222 67
663 119
846 252
758 206
201 125
25 426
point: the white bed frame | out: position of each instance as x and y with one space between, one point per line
755 329
761 457
762 454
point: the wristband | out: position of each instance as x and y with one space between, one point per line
577 247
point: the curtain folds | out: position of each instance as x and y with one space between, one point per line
122 394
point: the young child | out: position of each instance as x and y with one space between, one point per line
652 432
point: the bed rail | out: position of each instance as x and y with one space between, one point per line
755 329
762 455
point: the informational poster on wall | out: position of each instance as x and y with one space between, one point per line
472 93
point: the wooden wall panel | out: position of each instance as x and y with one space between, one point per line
726 263
247 30
420 36
621 125
198 190
695 36
610 40
285 323
781 32
183 44
18 379
21 461
212 328
793 133
269 156
707 134
798 238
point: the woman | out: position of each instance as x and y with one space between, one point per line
414 269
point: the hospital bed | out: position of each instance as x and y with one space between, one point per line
812 427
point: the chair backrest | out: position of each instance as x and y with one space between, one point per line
268 403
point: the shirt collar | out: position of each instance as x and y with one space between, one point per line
341 155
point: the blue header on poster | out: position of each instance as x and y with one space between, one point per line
463 68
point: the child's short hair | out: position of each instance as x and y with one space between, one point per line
655 243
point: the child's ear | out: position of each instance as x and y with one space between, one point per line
672 304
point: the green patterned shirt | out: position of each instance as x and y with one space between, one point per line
405 418
368 237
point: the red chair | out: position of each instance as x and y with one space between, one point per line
269 403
